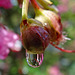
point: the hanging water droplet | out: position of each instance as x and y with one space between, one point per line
34 60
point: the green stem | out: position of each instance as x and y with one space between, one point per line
37 9
25 9
47 5
44 3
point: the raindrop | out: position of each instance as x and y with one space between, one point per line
34 60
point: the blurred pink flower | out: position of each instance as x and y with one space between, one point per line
63 6
54 70
64 1
5 4
8 41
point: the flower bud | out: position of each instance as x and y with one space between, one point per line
51 22
34 38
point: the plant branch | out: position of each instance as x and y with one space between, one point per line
44 3
63 50
34 3
48 5
25 9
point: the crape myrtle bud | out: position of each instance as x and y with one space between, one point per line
52 24
34 38
50 20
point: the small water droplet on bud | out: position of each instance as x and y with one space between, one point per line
34 60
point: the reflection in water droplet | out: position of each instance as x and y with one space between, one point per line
34 60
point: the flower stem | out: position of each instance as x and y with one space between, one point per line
20 3
37 9
35 5
48 5
63 50
44 3
25 9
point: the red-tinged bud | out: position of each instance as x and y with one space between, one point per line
52 23
34 38
50 20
